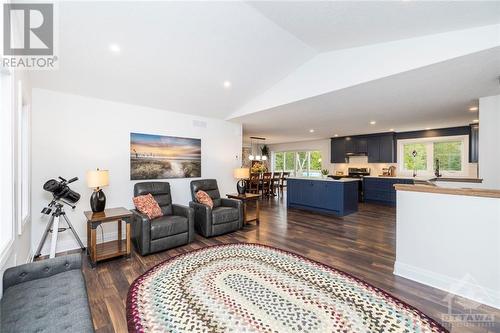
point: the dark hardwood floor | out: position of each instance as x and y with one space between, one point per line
362 244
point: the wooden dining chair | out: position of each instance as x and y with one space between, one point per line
266 183
275 183
284 177
254 183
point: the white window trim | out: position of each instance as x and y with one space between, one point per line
430 155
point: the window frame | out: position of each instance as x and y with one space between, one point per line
429 143
7 137
295 163
23 186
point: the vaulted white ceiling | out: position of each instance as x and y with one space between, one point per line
335 25
176 56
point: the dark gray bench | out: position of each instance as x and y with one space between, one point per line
46 296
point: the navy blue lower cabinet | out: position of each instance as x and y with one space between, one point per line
323 195
381 190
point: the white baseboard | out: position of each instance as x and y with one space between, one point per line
466 287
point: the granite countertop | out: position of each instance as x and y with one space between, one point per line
342 180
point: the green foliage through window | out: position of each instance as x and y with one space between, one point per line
289 161
315 163
419 161
449 155
279 163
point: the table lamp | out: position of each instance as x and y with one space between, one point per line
241 174
97 179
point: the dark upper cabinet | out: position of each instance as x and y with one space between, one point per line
379 148
350 145
387 151
360 144
356 144
374 150
474 143
338 150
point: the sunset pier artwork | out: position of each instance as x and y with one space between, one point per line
162 157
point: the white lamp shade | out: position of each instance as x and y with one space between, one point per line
97 178
242 173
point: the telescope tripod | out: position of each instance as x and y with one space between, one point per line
53 227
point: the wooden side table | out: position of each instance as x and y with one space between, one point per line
110 249
246 198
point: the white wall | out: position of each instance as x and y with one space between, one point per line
73 134
450 242
489 141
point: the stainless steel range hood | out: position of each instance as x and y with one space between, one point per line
356 154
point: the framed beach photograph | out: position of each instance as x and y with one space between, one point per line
162 157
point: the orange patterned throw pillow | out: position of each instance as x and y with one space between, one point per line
204 198
147 205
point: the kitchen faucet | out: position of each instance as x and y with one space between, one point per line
436 171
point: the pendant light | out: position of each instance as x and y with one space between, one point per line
256 157
251 157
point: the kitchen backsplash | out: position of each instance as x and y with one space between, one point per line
376 168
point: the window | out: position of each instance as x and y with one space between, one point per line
289 161
6 165
422 155
279 162
23 161
415 156
449 155
300 163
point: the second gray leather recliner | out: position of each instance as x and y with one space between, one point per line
174 228
226 215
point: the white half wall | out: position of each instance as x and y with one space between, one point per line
450 242
72 134
489 141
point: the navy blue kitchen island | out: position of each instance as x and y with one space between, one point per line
337 197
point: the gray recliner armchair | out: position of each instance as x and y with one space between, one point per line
174 228
226 215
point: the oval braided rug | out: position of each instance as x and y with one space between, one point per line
255 288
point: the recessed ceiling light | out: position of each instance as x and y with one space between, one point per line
373 122
311 131
473 108
336 135
475 121
115 48
391 129
427 128
227 84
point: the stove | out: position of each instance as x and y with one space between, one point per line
358 172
